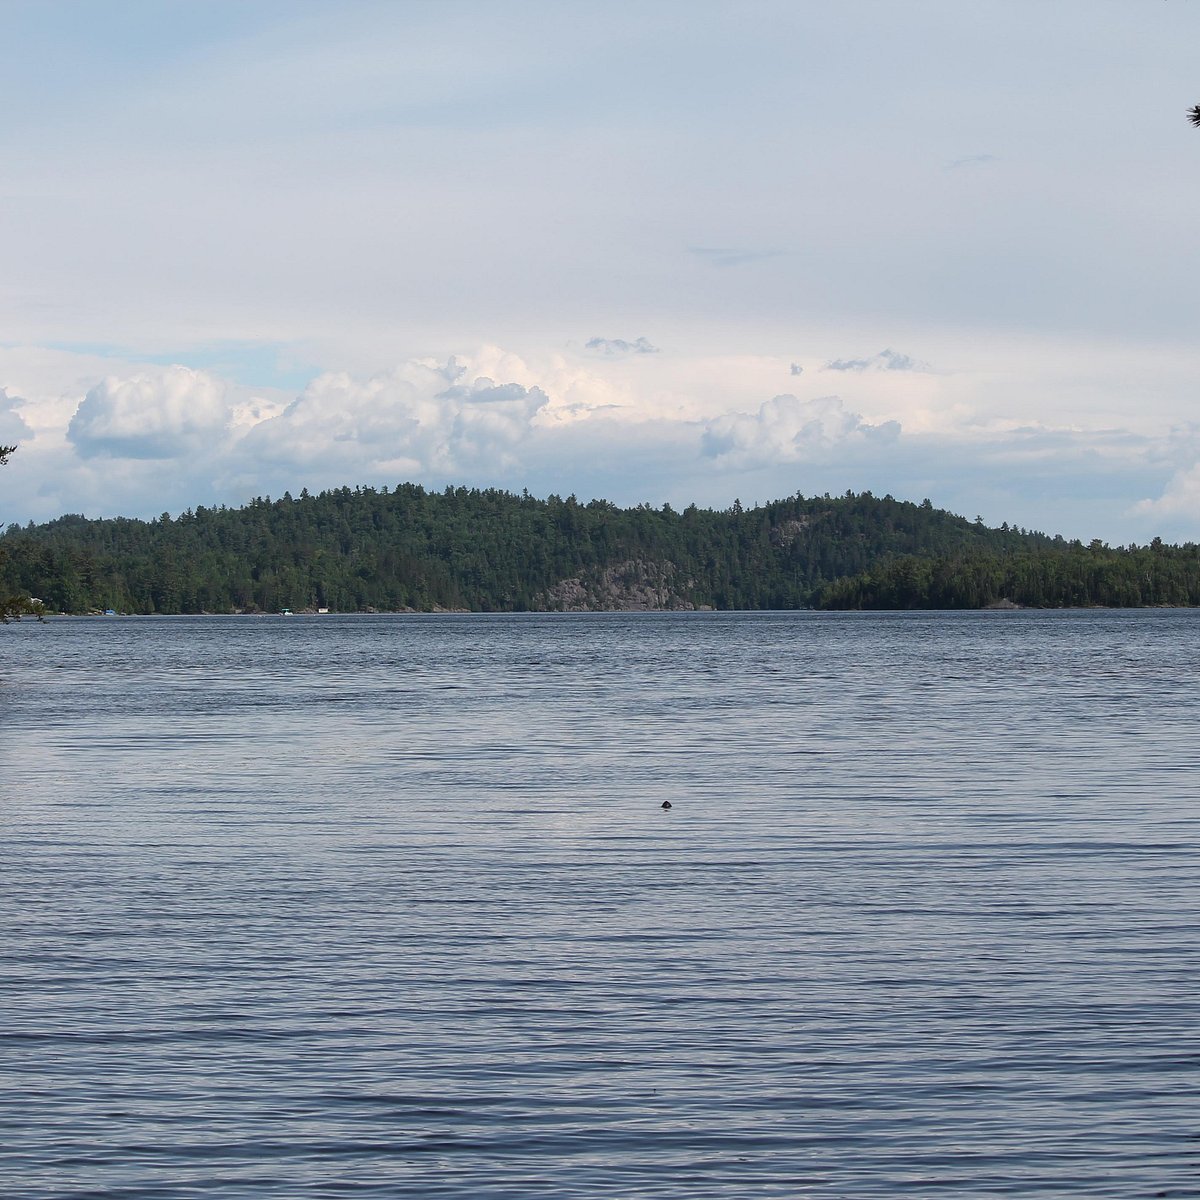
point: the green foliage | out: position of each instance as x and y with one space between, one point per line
1070 576
14 606
363 549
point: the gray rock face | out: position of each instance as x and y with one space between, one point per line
636 585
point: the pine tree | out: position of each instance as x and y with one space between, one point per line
13 608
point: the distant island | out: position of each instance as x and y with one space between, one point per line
365 549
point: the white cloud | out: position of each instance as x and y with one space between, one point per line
12 425
690 426
402 421
157 415
788 430
1180 497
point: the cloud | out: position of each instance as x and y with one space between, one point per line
618 347
12 425
682 427
155 415
797 369
971 160
885 360
731 256
788 430
402 422
1180 497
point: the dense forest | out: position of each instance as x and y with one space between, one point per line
14 603
367 549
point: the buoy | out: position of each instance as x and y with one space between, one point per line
666 804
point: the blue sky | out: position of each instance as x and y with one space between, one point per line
661 252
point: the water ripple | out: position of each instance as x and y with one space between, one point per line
389 907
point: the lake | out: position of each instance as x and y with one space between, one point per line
351 906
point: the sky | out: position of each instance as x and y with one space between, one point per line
660 252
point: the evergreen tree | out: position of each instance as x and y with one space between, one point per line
14 606
486 550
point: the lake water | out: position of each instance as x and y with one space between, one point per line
353 906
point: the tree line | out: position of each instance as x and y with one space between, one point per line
13 604
1076 576
408 548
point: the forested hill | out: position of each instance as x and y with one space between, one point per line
362 549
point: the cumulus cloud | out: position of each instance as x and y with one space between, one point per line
797 369
885 360
158 414
1180 497
786 429
654 428
618 347
402 421
12 425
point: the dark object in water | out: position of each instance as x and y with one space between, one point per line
1194 115
666 804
